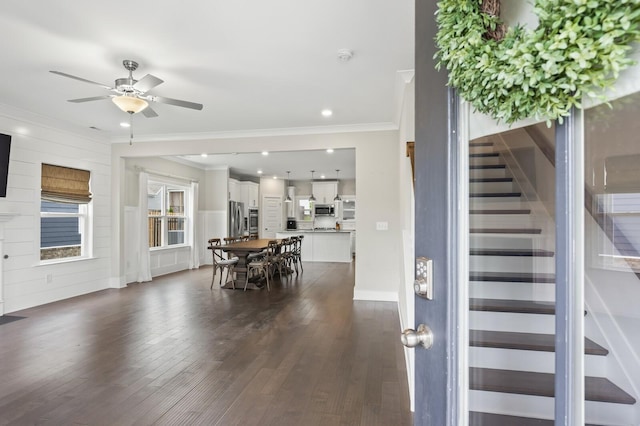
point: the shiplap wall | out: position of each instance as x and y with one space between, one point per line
26 282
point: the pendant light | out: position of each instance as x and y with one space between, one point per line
312 198
288 199
337 197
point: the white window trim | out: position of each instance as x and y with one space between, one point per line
170 184
86 242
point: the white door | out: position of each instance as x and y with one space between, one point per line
271 216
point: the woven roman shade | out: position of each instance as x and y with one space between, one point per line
65 185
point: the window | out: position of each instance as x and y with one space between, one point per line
65 213
620 217
167 215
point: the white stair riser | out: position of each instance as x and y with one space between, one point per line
491 187
479 149
502 220
487 173
507 321
501 203
543 407
485 160
511 404
610 414
526 360
503 241
512 264
543 292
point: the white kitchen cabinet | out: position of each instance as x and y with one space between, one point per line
323 246
248 193
348 207
253 194
325 192
234 190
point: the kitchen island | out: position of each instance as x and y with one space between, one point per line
323 245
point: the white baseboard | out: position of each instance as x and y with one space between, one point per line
375 296
117 282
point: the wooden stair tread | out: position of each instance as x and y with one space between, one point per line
487 166
512 306
490 419
475 144
494 194
542 384
490 179
484 154
520 277
505 230
525 341
511 252
500 211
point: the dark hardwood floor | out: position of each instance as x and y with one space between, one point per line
173 352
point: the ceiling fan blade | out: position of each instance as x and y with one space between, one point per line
81 79
147 82
149 112
176 102
93 98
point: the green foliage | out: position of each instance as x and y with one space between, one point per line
579 48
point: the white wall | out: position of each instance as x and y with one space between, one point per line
162 261
376 179
26 282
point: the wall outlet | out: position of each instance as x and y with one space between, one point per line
49 278
382 226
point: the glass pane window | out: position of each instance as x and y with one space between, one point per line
64 214
167 214
612 259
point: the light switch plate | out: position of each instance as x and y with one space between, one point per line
382 226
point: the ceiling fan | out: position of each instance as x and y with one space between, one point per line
131 95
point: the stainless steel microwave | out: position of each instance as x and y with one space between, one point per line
324 210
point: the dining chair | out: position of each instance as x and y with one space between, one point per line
220 262
278 257
297 253
261 265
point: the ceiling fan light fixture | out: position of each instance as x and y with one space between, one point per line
130 104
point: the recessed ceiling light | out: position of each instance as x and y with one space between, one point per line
321 176
259 172
123 124
204 155
345 54
265 152
275 177
327 113
330 150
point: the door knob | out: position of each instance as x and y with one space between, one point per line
412 338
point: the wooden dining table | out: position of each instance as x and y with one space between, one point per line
242 249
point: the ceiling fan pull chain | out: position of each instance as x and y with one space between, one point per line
130 128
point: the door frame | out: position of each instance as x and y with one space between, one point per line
441 229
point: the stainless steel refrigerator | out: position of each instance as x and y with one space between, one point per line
236 219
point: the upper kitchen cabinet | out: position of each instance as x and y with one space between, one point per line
325 192
249 192
234 190
245 192
348 207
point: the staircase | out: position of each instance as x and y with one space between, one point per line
512 294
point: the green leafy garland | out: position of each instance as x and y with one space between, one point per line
579 48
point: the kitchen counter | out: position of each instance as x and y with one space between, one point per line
322 245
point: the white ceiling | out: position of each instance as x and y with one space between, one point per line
299 163
256 66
